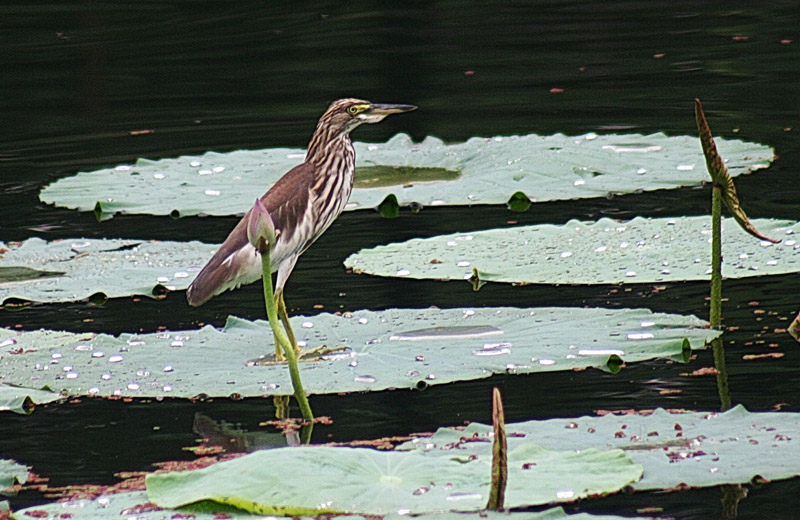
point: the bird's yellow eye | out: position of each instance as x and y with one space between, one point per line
356 109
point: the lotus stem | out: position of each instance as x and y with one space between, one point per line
280 335
715 311
723 387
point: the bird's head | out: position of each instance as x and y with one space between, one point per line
345 114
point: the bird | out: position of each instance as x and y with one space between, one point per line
303 204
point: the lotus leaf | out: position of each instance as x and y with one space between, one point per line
695 449
395 348
10 473
112 507
641 250
69 270
491 170
17 399
319 480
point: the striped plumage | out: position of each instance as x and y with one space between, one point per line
303 203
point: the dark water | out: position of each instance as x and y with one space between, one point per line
79 77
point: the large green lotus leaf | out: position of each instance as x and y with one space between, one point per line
137 505
695 449
395 348
491 171
69 270
318 480
11 472
17 399
641 250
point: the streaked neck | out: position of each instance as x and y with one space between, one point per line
326 142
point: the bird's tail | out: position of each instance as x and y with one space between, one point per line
227 269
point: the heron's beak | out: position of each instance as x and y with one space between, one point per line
381 109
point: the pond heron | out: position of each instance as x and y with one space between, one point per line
303 204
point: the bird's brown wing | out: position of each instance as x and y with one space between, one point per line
236 262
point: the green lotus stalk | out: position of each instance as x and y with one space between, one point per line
261 234
715 310
723 388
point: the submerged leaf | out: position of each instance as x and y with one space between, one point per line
321 480
15 274
642 250
721 176
394 348
382 176
693 449
77 269
485 171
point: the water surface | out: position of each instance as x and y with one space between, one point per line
89 85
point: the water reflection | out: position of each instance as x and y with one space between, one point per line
235 440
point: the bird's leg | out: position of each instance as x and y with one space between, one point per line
279 357
309 354
284 316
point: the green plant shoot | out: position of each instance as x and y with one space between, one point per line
261 234
723 191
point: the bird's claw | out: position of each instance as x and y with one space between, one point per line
317 353
265 360
303 355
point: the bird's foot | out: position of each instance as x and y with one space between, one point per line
303 355
265 360
318 353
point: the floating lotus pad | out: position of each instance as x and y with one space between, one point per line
69 270
638 251
395 348
695 449
360 480
491 170
19 399
11 472
111 507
